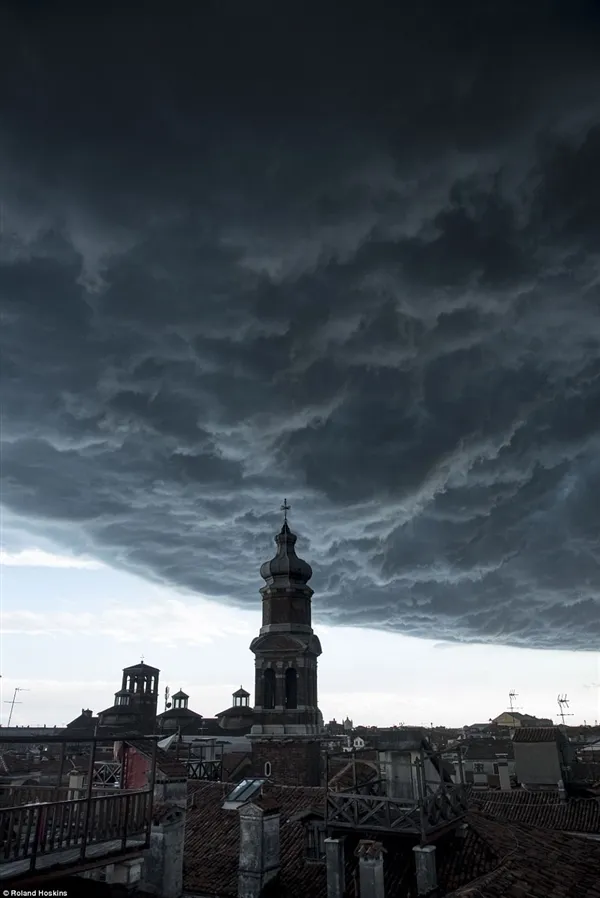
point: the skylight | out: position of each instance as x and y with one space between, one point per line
243 792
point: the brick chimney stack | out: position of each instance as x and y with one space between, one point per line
259 846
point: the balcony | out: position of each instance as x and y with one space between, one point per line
403 792
36 837
45 829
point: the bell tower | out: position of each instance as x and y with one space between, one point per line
286 650
285 734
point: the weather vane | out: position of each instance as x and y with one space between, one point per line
285 508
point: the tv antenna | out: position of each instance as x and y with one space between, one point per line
563 702
14 702
512 695
167 695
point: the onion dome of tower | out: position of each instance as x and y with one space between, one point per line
286 564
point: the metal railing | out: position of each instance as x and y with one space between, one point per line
30 831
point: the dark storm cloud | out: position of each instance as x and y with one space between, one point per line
247 255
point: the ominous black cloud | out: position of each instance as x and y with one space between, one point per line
250 252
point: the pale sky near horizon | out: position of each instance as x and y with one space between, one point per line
70 626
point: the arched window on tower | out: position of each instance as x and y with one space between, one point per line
269 688
291 688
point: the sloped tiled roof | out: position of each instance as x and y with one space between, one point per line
494 859
537 734
542 809
11 764
211 850
534 863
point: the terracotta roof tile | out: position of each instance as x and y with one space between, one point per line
542 809
212 842
537 734
534 863
493 858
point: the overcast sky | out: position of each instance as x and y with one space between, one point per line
247 253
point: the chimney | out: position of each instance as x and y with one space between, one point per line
370 855
163 866
336 868
504 776
76 781
259 847
426 869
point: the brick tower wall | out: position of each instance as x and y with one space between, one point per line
294 762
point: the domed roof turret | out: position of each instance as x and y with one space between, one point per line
286 564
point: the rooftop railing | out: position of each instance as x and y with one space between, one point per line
33 831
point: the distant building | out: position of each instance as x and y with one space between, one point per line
543 757
514 719
179 717
135 703
481 760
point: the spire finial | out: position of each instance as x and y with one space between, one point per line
285 508
142 659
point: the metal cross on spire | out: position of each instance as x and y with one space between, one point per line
285 508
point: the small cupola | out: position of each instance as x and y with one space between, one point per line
180 700
241 698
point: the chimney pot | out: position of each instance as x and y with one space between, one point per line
370 855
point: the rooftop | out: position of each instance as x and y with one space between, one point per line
534 863
541 809
537 734
494 859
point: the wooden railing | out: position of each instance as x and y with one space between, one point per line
18 795
382 813
107 773
199 769
29 831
